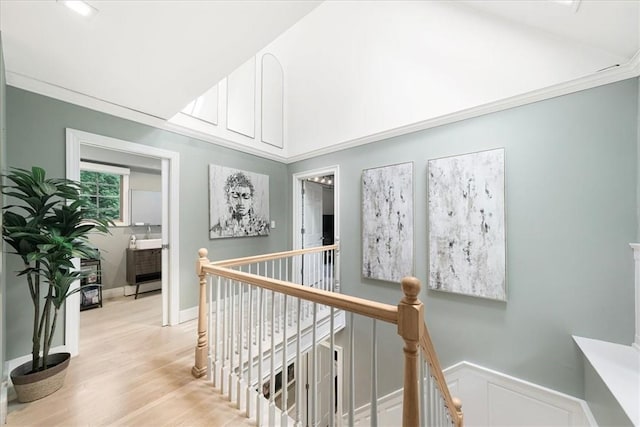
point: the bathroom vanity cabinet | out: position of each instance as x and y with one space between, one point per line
143 265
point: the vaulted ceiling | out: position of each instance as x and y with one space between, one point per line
354 70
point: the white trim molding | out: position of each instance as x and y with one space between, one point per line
297 202
611 75
636 258
171 287
491 398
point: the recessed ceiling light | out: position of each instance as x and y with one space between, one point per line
81 7
575 4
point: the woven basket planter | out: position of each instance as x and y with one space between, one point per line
33 386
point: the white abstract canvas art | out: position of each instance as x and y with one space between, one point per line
238 203
467 249
387 222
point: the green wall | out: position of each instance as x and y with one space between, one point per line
36 136
3 310
570 212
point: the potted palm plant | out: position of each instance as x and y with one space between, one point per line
47 228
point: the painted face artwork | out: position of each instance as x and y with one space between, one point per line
240 200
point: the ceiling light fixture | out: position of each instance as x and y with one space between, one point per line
80 7
575 4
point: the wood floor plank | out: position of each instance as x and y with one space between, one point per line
131 371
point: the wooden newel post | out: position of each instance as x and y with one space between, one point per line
200 367
410 328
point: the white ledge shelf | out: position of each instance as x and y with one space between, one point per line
619 367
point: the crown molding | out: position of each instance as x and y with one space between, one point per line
52 91
612 75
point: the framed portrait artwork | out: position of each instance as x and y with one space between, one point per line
238 203
467 236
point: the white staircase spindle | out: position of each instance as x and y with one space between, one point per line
232 326
212 341
285 370
225 334
260 355
432 405
272 359
241 313
298 367
332 370
374 375
423 391
352 366
217 379
314 384
249 351
212 338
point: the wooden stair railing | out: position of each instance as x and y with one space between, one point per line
408 315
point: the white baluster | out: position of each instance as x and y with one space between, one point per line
285 370
249 350
260 355
212 340
225 334
352 366
314 385
272 357
232 326
218 334
434 393
374 375
240 342
298 368
423 390
332 370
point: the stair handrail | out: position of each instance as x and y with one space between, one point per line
408 315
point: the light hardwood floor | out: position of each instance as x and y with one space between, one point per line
131 372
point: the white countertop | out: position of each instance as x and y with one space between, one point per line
619 367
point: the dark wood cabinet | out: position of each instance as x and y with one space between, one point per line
143 265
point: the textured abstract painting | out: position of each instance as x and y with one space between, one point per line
238 203
466 224
387 222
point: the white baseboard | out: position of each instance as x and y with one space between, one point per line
4 401
188 314
491 398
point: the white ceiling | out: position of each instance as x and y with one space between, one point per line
149 56
611 25
156 56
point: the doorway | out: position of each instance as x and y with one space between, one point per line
76 141
328 385
316 213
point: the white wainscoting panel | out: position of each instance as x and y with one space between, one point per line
389 411
490 398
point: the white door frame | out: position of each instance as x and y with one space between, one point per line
170 215
297 201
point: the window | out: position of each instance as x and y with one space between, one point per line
107 189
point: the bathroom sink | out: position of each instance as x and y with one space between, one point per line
149 244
